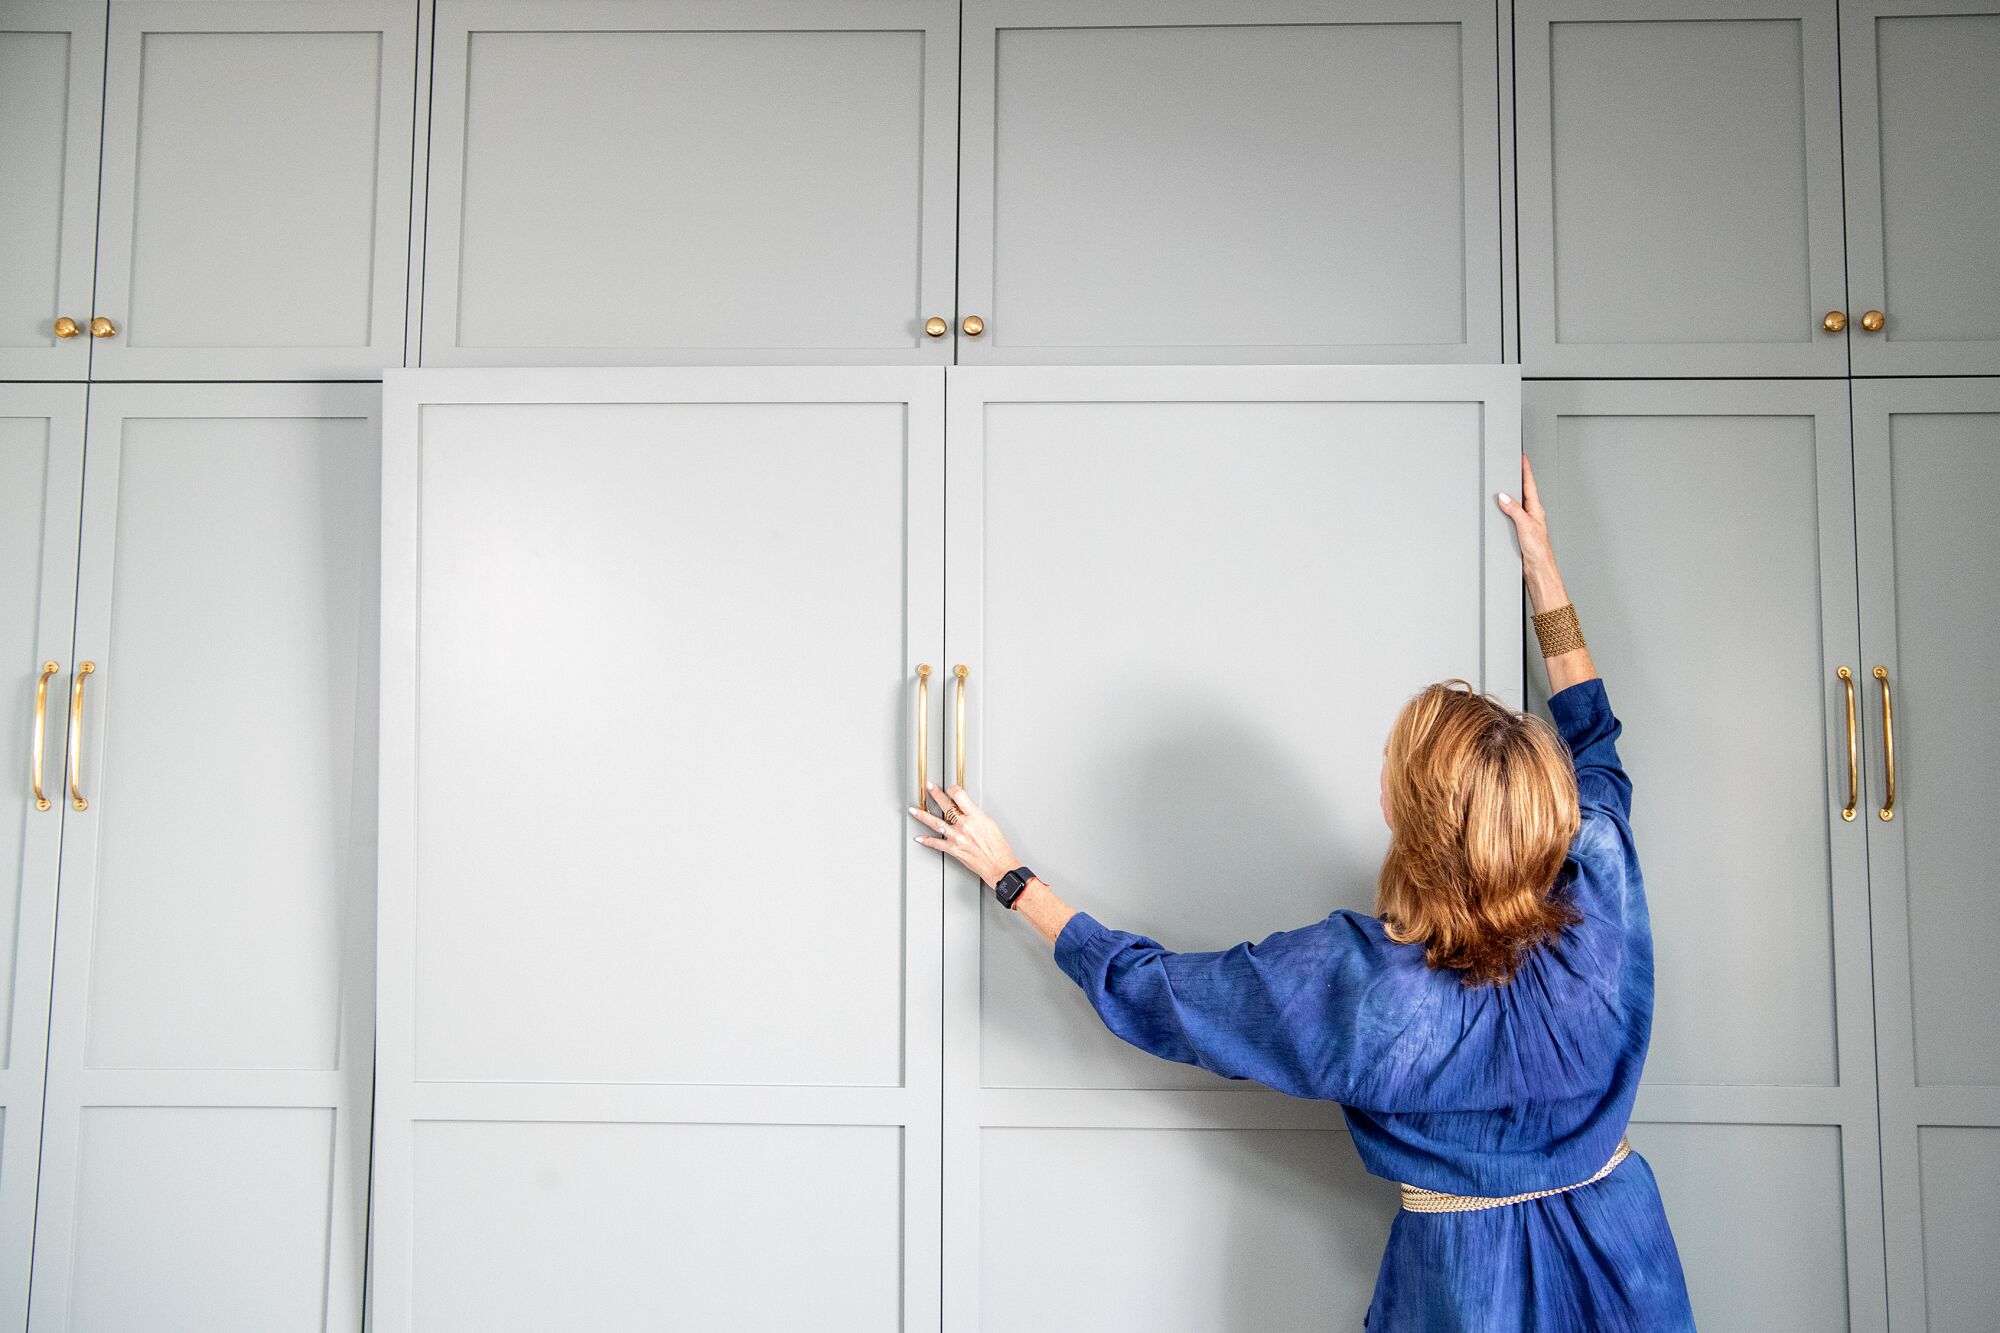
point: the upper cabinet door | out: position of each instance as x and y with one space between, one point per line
1921 93
624 183
1270 180
52 67
254 222
1679 168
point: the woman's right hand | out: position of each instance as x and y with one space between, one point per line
1531 525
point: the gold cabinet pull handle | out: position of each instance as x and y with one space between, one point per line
923 733
41 732
973 326
1873 320
76 800
100 327
1853 749
66 327
1888 810
1835 321
935 327
959 746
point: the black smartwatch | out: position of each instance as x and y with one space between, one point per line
1010 885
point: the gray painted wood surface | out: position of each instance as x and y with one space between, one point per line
52 74
1680 189
1706 533
41 491
256 189
1271 180
1927 490
659 959
1920 95
1176 703
205 1146
632 182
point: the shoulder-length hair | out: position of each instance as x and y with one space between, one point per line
1484 807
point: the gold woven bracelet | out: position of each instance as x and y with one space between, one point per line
1558 631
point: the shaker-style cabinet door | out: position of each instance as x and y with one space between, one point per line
659 957
1264 180
256 192
1177 687
1927 482
1706 533
41 486
662 181
205 1139
1920 94
52 76
1679 181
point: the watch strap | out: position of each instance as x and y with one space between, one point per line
1011 884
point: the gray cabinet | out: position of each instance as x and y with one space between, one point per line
1706 532
255 203
205 1132
1927 483
41 479
1679 185
646 181
1268 180
52 80
1920 93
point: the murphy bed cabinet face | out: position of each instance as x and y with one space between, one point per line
1927 491
635 1053
1267 180
205 1140
1706 532
41 484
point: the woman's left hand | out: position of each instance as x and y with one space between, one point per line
973 838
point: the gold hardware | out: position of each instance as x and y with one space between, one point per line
101 327
76 736
1888 810
1835 321
66 327
973 325
960 672
1853 749
936 327
1873 321
923 733
41 728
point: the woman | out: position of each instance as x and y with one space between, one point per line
1483 1033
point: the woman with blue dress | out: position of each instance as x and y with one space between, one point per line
1483 1032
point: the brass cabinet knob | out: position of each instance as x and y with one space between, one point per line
66 327
1835 321
973 326
936 327
1873 321
101 327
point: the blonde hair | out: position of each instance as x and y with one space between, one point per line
1484 807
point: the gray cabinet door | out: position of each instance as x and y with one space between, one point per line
52 71
205 1140
41 487
624 182
1268 180
1920 94
1706 533
1176 697
256 189
659 960
1679 177
1927 478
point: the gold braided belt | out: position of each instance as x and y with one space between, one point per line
1437 1201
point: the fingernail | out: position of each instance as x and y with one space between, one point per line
1506 499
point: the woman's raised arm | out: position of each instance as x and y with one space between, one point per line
1544 580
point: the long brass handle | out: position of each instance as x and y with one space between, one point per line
1888 810
76 800
923 733
41 732
958 748
1853 749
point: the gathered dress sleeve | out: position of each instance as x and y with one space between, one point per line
1604 879
1299 1011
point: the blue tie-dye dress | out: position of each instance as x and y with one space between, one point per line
1488 1091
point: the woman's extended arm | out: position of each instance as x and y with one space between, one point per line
976 841
1544 580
